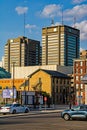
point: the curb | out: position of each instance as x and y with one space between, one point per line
31 113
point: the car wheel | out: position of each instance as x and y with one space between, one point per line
4 113
66 117
26 111
14 112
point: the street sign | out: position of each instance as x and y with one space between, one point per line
45 98
8 93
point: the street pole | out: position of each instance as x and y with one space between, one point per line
25 91
13 79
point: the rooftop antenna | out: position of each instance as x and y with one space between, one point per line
74 22
24 24
62 15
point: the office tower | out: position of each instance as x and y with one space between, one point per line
60 45
21 51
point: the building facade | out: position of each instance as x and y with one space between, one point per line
60 45
80 70
57 85
22 52
83 54
21 72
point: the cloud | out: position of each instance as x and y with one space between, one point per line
81 49
21 10
51 10
82 26
54 10
78 11
57 23
28 26
78 1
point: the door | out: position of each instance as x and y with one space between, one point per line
82 112
75 112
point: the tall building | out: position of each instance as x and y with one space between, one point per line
2 62
60 45
83 54
21 51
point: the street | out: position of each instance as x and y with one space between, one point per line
49 121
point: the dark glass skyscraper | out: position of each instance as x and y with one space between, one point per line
60 45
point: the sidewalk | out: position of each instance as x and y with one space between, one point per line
52 107
43 110
56 106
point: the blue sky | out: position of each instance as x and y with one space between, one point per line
38 14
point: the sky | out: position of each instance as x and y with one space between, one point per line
28 17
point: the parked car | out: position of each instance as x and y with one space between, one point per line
76 112
14 108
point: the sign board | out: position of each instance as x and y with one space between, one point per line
41 99
8 93
28 93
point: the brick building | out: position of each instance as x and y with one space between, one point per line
80 69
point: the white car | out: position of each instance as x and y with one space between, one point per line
14 108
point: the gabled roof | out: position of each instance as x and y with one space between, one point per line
4 73
52 73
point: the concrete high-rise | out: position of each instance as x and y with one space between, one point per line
60 45
83 54
21 51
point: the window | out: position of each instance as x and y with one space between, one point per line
77 77
81 93
81 107
76 64
81 86
57 89
67 81
64 81
77 71
53 80
81 71
81 63
81 77
77 94
77 85
57 81
60 81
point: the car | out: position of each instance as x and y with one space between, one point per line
76 112
14 108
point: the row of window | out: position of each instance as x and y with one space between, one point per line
61 81
81 71
81 63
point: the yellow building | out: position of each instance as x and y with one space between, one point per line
57 85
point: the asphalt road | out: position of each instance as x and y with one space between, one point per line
50 121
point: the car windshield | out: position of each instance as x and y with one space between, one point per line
8 105
76 108
16 105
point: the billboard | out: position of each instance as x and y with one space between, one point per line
8 93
